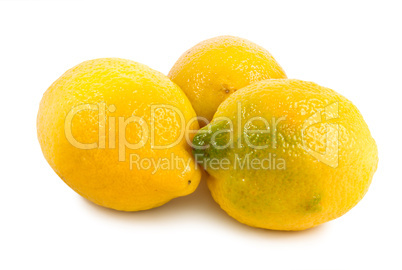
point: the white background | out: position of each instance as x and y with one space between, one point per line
353 47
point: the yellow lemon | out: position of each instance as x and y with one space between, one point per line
287 155
115 131
212 70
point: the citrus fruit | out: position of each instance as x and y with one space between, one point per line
111 129
212 70
286 155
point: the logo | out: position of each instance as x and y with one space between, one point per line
330 155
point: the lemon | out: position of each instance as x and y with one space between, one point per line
113 130
287 155
212 70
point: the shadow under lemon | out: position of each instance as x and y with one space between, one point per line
199 204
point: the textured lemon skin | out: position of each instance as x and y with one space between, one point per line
97 174
307 192
212 70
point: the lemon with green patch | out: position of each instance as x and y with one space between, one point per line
287 155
